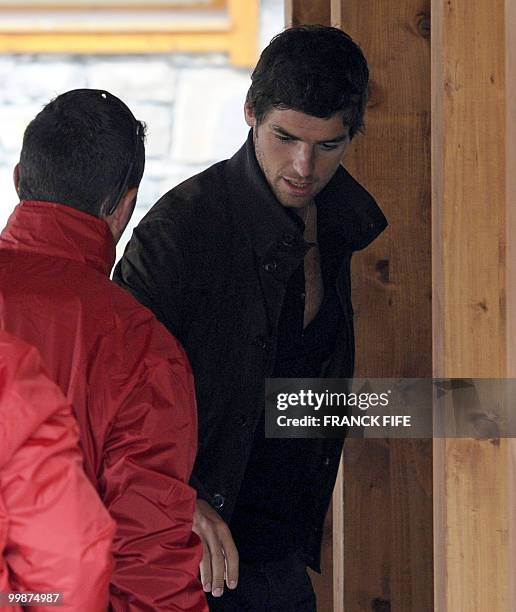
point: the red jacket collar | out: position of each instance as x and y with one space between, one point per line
57 230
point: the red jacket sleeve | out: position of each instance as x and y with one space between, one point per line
148 459
59 534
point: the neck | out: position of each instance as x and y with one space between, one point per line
303 213
306 212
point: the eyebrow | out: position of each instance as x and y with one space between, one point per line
279 130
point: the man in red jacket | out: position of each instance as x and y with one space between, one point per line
55 534
126 377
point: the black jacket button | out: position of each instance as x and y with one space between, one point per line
217 501
288 240
241 420
262 342
270 266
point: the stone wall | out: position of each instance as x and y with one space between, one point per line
192 105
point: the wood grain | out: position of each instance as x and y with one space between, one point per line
469 187
510 233
387 511
473 262
307 12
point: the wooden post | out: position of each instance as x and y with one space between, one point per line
387 513
307 12
474 244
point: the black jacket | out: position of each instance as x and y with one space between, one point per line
212 259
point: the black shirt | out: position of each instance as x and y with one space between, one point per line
270 513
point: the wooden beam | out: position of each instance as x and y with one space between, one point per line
243 46
235 34
510 199
469 187
307 12
387 514
510 174
88 43
473 132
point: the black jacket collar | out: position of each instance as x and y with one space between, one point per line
343 206
261 216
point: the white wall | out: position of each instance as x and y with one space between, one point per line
192 104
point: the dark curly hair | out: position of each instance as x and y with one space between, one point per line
317 70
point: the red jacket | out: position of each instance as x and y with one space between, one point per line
55 534
131 387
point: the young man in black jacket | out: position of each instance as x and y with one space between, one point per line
248 265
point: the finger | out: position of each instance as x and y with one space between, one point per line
205 567
217 564
218 567
231 559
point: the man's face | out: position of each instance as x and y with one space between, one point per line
297 153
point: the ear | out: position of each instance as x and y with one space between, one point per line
126 204
250 119
16 178
120 217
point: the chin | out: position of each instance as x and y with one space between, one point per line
289 202
296 203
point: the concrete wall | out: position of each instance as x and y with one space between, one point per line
192 105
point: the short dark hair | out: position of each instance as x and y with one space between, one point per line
317 70
84 149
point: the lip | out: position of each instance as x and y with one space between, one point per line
300 189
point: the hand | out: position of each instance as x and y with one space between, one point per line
220 556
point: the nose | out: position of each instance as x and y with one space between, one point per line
303 162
